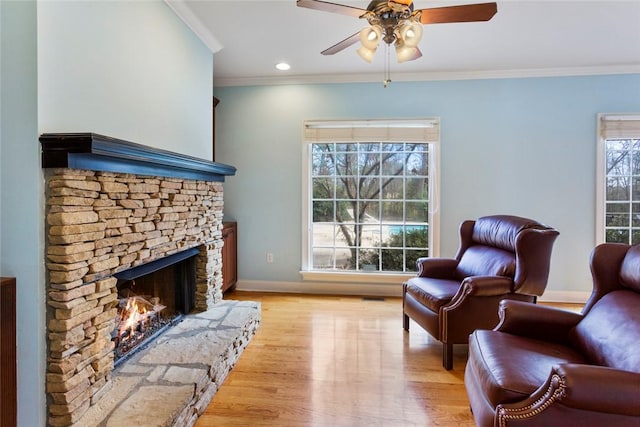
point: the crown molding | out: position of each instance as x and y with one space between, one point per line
195 24
427 76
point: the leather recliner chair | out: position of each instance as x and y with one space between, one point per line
543 366
499 257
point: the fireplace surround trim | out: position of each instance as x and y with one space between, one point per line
97 152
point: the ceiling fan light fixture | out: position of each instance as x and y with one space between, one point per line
370 37
397 22
411 33
366 53
405 53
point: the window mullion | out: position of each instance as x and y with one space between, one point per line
380 201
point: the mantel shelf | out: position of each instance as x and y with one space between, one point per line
102 153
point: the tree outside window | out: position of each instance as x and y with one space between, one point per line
622 191
370 205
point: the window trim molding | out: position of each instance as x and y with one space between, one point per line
307 273
601 156
600 181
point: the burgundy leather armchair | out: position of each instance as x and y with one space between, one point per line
542 366
499 257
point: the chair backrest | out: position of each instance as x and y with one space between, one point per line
606 269
630 269
609 332
614 266
507 245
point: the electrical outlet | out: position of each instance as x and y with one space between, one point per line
269 257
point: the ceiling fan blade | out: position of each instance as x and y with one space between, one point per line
332 7
462 13
342 45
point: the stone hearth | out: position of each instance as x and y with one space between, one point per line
171 382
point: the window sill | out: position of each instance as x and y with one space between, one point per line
355 277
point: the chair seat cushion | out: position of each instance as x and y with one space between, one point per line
510 367
432 293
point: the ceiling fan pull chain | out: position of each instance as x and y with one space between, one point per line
387 67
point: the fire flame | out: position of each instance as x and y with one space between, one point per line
132 315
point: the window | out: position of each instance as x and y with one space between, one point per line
618 213
370 195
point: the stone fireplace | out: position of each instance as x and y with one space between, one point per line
113 207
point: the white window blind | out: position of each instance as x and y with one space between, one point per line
419 130
619 126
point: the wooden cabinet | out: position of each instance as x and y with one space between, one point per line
229 255
8 405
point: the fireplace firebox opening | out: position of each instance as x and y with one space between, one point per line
151 298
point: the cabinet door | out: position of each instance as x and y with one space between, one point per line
8 376
229 256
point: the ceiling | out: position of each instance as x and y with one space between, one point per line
525 38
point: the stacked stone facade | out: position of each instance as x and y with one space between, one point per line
98 224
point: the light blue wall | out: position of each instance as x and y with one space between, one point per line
515 146
21 192
130 70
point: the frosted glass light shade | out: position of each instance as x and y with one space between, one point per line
370 37
366 53
405 53
411 34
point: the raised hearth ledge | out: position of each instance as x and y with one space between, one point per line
92 151
172 381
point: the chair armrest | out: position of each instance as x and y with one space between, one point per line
574 389
438 268
536 321
480 286
601 389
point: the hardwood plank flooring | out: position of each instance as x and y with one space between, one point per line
339 361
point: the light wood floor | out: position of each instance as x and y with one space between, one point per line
339 361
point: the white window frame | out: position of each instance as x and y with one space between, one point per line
609 126
425 130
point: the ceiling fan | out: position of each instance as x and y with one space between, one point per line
396 22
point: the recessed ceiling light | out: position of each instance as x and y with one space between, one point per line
283 66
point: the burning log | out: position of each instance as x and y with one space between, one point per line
137 314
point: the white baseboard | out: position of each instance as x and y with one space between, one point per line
373 289
326 288
578 297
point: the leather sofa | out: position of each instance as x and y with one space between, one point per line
499 257
542 366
